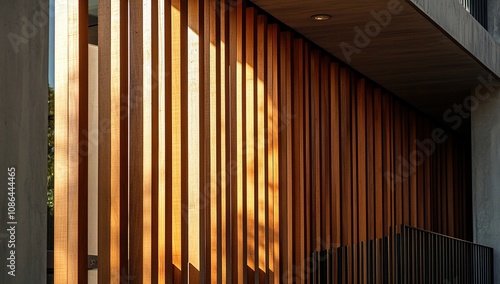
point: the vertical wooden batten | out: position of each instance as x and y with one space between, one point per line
71 142
113 141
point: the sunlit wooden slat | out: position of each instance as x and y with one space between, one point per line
61 174
223 143
141 118
113 188
210 46
249 145
193 135
178 163
274 166
71 140
240 186
262 146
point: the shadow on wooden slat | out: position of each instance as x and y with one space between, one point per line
193 274
177 274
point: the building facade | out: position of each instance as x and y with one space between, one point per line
231 140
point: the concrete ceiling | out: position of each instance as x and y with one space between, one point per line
410 55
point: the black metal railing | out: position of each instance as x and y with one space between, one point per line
478 9
408 255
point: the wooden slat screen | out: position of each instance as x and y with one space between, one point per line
231 149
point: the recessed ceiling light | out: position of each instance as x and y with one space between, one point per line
321 17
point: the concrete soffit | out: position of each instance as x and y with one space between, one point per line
430 53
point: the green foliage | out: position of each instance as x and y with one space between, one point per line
50 155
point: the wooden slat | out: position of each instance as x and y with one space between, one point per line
370 159
275 183
345 154
113 145
354 167
285 129
379 171
240 185
163 212
194 171
61 174
397 175
298 160
325 152
262 146
223 142
450 164
427 184
390 154
250 143
420 160
211 112
335 153
309 246
315 150
141 141
405 169
441 189
153 124
413 162
178 92
71 137
362 177
270 147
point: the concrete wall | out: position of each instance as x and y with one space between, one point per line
486 174
23 136
494 19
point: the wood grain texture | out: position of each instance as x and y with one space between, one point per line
71 143
249 149
113 145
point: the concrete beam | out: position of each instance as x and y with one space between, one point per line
453 19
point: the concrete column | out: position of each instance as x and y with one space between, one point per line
23 139
494 19
486 173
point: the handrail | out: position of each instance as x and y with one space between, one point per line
407 255
478 9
